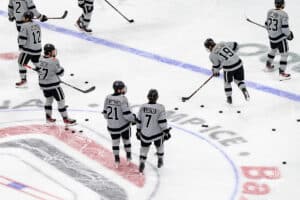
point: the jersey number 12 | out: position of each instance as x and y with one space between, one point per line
36 37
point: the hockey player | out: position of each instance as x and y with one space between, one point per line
223 55
29 44
85 19
119 118
278 29
49 71
152 127
17 8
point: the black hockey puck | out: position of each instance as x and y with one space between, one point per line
175 108
86 119
86 82
284 162
202 106
298 120
81 131
238 111
73 131
220 111
204 125
72 74
273 129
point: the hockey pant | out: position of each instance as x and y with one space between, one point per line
24 59
237 76
283 48
145 146
86 16
125 135
58 95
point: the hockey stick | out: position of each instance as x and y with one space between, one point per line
183 99
78 89
129 20
67 84
253 22
62 17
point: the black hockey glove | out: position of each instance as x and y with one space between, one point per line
291 36
37 69
134 122
215 72
20 47
11 18
138 134
43 18
167 134
81 3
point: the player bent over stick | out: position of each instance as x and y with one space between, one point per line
222 55
152 127
119 118
49 71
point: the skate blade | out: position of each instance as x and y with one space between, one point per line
128 162
117 165
50 123
22 87
81 30
70 125
284 79
269 70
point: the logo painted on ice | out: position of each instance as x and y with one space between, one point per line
91 179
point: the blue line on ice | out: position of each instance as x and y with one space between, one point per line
158 58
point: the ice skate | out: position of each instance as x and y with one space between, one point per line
69 122
246 94
21 84
229 100
160 162
284 76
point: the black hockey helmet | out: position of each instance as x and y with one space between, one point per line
152 95
209 43
279 3
28 15
118 85
48 48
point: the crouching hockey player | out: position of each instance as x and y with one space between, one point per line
223 55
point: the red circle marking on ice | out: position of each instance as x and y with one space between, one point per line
9 56
82 144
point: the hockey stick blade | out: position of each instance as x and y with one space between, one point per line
183 99
62 17
78 89
118 11
65 14
89 90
